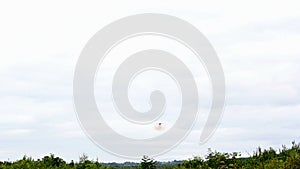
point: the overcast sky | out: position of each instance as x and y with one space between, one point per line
257 43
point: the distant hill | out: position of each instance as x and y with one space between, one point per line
133 164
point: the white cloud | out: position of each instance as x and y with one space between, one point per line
257 42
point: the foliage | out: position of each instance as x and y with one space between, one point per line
285 158
147 163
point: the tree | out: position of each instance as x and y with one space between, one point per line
52 161
148 163
196 162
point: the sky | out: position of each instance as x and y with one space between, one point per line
40 42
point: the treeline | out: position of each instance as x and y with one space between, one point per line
285 158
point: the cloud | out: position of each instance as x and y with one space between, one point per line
257 43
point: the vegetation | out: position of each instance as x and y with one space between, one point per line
285 158
148 163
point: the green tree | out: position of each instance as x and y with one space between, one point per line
52 161
148 163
